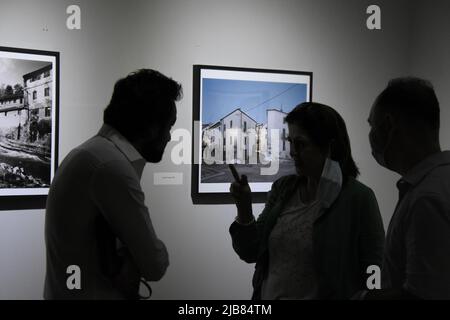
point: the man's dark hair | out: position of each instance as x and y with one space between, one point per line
326 128
412 99
142 99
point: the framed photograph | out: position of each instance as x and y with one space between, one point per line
29 108
238 118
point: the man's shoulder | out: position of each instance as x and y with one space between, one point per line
435 185
437 178
94 154
101 151
430 197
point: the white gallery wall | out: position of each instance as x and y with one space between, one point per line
350 64
430 53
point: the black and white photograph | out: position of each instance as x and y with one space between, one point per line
241 112
28 132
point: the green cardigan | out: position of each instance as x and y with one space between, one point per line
347 238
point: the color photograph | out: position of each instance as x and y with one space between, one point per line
241 112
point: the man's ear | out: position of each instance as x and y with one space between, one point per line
149 133
153 132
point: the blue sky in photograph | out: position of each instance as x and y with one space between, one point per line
220 97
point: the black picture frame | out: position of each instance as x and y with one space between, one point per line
38 112
223 196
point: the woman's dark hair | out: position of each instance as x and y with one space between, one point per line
326 128
142 99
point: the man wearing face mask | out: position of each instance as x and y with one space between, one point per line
96 217
404 138
320 228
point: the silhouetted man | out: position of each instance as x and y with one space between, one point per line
404 138
99 237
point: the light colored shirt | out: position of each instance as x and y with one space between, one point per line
291 271
417 253
96 197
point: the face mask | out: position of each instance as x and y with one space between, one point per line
330 182
379 153
379 157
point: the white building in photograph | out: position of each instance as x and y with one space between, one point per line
37 92
256 137
235 125
27 108
261 142
12 114
211 138
275 120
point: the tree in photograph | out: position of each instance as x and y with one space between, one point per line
33 128
9 91
18 89
2 90
44 127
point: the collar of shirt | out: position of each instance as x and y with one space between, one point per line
414 176
137 161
